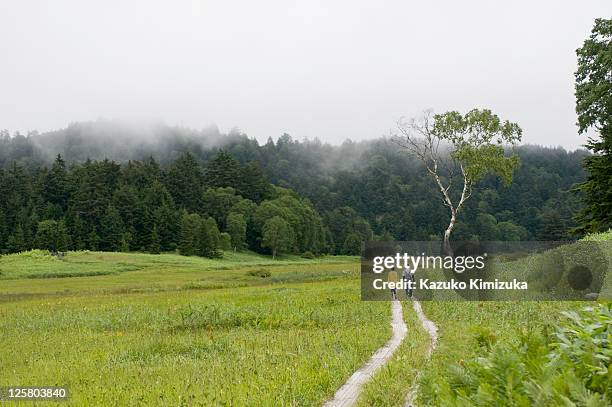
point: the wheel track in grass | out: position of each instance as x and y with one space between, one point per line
432 330
348 394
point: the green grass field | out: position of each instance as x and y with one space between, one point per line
137 329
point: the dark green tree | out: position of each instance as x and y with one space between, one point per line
141 175
552 227
93 239
225 241
52 235
97 181
55 184
487 228
223 171
134 215
126 238
184 182
510 232
343 222
210 238
3 231
16 242
78 230
166 220
594 109
188 239
252 183
111 230
218 202
155 246
352 244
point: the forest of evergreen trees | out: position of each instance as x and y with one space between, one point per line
200 192
101 205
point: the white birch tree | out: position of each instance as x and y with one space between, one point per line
458 150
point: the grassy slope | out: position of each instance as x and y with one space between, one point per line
290 339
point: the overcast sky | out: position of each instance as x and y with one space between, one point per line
327 69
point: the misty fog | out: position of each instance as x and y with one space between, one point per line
313 69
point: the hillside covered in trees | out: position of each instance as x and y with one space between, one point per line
103 185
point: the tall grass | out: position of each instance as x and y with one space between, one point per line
160 335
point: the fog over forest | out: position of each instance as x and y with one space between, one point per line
359 190
124 140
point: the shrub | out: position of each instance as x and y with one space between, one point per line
599 237
308 255
225 241
583 343
259 273
568 367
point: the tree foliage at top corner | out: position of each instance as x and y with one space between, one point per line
594 109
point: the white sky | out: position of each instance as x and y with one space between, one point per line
327 69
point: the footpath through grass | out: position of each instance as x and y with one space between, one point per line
499 353
138 329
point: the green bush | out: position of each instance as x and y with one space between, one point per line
225 241
584 344
308 255
599 237
569 367
259 273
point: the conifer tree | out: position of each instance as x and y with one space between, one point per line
203 240
222 171
93 240
154 247
52 235
167 222
55 184
184 182
133 215
188 239
111 230
79 232
16 241
208 238
552 227
3 231
252 183
126 238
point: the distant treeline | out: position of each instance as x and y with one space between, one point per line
179 182
101 205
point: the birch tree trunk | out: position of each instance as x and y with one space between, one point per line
446 247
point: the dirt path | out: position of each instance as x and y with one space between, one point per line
432 330
349 392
